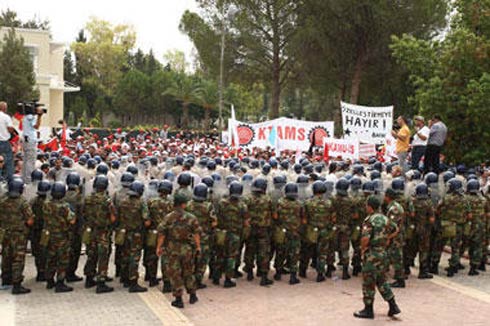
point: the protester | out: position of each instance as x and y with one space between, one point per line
419 142
437 138
6 129
402 137
30 125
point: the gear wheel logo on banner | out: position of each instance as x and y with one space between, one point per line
320 133
245 134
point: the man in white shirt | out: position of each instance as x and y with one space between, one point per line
6 129
30 125
419 142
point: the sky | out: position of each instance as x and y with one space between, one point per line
155 21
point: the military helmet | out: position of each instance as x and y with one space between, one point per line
132 169
115 164
422 190
82 160
319 168
319 187
471 177
285 164
416 175
216 177
229 179
279 180
329 186
153 160
473 186
137 188
302 179
398 185
297 168
211 165
247 177
291 190
448 175
342 186
37 175
375 175
126 179
236 189
200 192
273 162
358 169
259 185
73 180
454 185
101 183
254 164
368 187
91 163
165 186
98 159
355 183
184 179
43 187
266 169
58 190
15 187
308 169
431 178
169 175
102 169
461 169
179 160
378 166
208 181
67 162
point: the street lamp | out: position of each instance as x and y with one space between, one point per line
227 14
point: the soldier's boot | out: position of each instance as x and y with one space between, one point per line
40 277
277 275
229 283
73 278
400 283
367 312
424 275
394 309
482 266
345 272
6 281
407 271
320 277
434 269
153 282
61 287
450 272
201 285
136 288
356 270
19 289
250 275
460 266
50 284
473 271
330 270
103 288
118 271
293 279
264 281
216 280
302 272
167 287
193 298
238 274
89 282
178 303
147 277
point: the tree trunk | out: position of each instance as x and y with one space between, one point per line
357 77
206 118
276 86
185 115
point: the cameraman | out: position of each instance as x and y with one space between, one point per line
6 129
30 124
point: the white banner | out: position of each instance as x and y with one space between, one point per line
282 133
367 150
344 148
368 124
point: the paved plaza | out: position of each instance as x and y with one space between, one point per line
462 300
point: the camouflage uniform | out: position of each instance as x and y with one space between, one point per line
258 245
396 214
132 213
185 191
476 228
359 208
232 216
422 233
453 208
179 227
376 228
58 217
119 196
14 214
97 212
486 231
37 204
158 207
289 217
344 209
204 213
320 215
75 199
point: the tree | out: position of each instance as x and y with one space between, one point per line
176 60
208 99
184 89
8 18
17 80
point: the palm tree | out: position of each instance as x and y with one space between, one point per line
208 98
184 89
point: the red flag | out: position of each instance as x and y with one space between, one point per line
51 144
19 117
63 137
326 158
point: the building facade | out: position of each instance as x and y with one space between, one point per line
47 58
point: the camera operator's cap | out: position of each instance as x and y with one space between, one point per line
419 118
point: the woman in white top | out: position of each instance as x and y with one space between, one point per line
419 142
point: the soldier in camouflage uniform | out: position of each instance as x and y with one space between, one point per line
37 204
202 209
289 219
99 215
475 224
158 207
74 198
319 232
424 222
486 232
359 205
396 214
232 217
58 217
133 217
377 232
258 244
15 218
184 181
180 232
345 211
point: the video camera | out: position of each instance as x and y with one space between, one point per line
29 107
